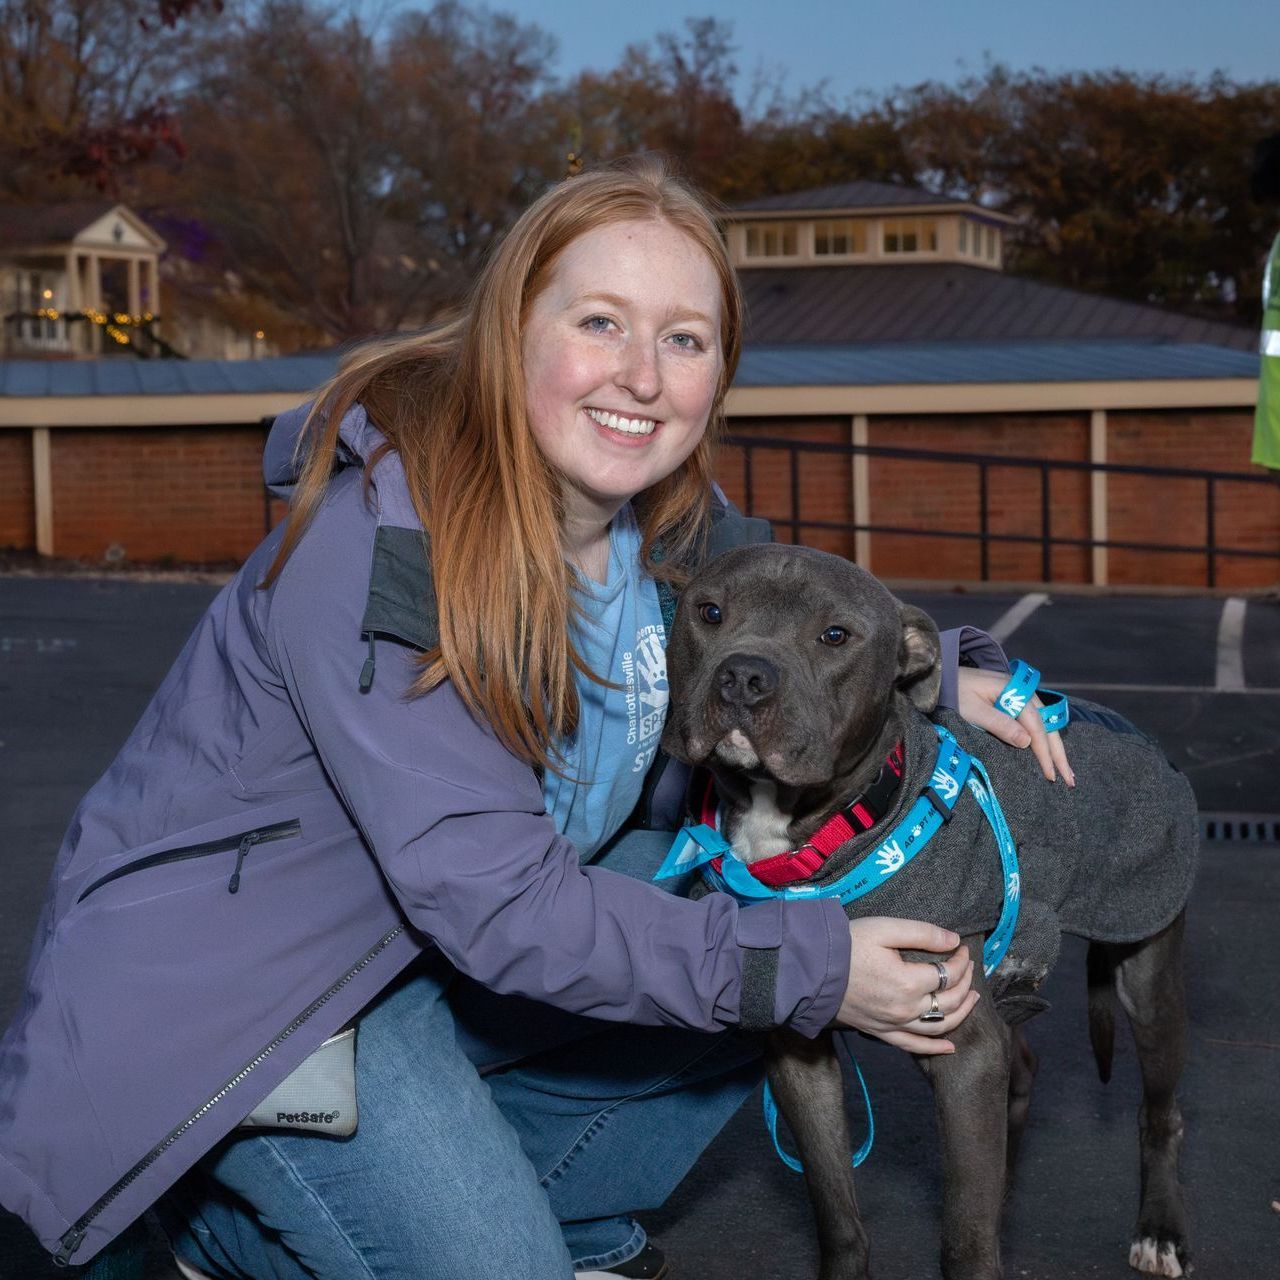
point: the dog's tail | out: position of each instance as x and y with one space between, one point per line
1101 969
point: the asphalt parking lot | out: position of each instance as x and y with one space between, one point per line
80 656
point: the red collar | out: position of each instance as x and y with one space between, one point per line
859 815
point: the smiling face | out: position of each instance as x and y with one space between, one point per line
622 359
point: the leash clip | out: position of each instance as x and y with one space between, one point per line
944 811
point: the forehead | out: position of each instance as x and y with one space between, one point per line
795 582
646 260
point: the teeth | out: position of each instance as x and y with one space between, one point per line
628 426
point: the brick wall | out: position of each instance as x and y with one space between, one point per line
923 496
943 495
17 499
1171 510
194 493
182 493
824 481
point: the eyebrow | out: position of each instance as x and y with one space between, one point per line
621 303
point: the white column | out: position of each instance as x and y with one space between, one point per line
93 298
73 282
861 492
135 290
42 486
1098 494
153 291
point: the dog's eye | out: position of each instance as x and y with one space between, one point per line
710 613
834 636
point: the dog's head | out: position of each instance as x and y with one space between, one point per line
784 663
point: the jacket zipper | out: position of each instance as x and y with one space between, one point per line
241 843
73 1238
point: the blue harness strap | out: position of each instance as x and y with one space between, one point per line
954 771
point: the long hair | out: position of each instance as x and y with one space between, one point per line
451 403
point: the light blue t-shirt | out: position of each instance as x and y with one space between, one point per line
620 636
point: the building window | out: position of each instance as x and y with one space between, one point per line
991 244
839 238
964 236
910 235
36 293
772 240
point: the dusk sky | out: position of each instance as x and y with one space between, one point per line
874 44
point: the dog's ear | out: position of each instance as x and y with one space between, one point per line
919 657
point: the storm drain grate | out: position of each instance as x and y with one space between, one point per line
1251 828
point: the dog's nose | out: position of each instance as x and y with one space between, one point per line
746 681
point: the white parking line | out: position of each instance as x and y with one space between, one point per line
1012 618
1230 668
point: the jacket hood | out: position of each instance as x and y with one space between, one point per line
282 461
358 440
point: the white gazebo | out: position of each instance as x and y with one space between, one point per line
76 279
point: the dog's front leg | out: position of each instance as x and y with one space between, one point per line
971 1091
805 1077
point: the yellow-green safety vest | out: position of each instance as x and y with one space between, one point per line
1266 421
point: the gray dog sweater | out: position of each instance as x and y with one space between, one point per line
1110 860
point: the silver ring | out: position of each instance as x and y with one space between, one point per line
942 975
934 1014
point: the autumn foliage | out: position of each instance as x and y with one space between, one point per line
339 175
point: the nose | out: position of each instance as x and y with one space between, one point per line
639 372
744 680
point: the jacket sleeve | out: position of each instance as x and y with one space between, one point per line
457 824
966 646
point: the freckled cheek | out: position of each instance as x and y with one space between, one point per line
692 392
554 382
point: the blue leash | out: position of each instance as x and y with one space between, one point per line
954 771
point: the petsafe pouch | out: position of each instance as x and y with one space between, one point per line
319 1096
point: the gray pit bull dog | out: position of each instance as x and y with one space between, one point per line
793 675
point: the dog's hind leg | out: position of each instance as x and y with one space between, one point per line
805 1078
1150 986
971 1093
1023 1065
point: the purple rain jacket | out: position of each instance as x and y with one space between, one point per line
285 830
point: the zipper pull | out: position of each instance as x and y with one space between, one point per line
233 885
366 672
67 1246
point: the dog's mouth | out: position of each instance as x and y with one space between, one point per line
737 751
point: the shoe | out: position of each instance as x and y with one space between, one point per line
648 1264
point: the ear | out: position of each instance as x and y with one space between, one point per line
919 657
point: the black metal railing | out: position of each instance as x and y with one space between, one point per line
1046 539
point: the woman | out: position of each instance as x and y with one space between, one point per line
403 743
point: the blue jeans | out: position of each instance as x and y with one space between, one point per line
497 1137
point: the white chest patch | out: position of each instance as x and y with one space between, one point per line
761 832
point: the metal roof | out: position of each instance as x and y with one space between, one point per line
762 365
128 376
903 363
846 195
912 302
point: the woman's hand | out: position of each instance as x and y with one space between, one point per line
886 994
976 696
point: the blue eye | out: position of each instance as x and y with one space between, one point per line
687 341
710 614
597 324
834 636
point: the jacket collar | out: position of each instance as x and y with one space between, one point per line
402 601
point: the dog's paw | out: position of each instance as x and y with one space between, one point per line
1158 1257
